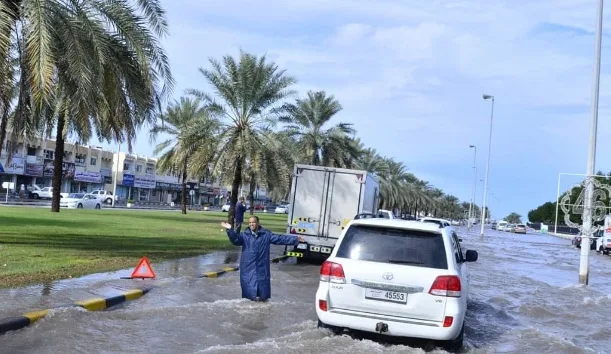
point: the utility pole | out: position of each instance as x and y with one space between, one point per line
587 205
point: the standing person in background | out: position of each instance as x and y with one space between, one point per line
238 220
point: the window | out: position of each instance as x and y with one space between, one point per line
93 161
31 151
79 158
49 154
126 166
390 245
138 168
150 170
458 254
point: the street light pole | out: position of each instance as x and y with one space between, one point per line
587 205
114 180
486 97
473 188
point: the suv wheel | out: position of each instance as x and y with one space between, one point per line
334 329
455 345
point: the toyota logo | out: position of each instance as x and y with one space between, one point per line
387 276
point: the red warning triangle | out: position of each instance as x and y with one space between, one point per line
143 269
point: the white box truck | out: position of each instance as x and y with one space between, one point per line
323 201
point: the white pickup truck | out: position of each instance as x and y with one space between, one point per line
44 193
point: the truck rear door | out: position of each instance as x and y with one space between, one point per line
307 206
343 200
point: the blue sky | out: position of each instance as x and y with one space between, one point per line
410 75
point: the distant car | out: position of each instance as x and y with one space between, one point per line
282 209
397 278
520 229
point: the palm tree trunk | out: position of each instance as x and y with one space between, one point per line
184 189
235 186
3 126
58 170
251 197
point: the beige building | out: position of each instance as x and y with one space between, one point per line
87 168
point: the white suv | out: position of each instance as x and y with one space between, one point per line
104 196
397 278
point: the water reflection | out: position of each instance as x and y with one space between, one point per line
46 288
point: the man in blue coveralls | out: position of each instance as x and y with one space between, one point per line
255 278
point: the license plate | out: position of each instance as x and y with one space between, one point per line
302 246
385 295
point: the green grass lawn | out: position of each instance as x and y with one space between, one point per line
37 245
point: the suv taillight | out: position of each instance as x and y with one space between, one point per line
446 285
332 272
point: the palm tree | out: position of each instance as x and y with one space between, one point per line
190 132
308 119
86 67
248 90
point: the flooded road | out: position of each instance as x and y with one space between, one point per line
524 299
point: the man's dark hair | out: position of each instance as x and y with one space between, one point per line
254 216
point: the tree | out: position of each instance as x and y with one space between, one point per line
308 120
86 67
190 134
513 218
248 90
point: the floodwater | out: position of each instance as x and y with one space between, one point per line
523 299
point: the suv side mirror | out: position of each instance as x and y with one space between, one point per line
471 256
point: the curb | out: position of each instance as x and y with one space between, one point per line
96 304
218 273
278 259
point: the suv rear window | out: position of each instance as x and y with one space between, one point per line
390 245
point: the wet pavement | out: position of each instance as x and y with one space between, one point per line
523 299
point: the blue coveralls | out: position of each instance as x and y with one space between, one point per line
255 278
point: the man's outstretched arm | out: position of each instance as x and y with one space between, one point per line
287 240
234 237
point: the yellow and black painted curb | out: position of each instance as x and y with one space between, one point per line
219 272
278 259
96 304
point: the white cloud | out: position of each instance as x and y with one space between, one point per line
410 74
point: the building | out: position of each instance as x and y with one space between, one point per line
87 168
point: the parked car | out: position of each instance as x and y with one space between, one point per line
104 196
397 278
37 192
576 241
80 201
282 209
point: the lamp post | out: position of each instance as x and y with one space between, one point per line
487 97
474 184
587 205
114 180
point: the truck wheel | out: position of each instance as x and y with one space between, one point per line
80 206
35 196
